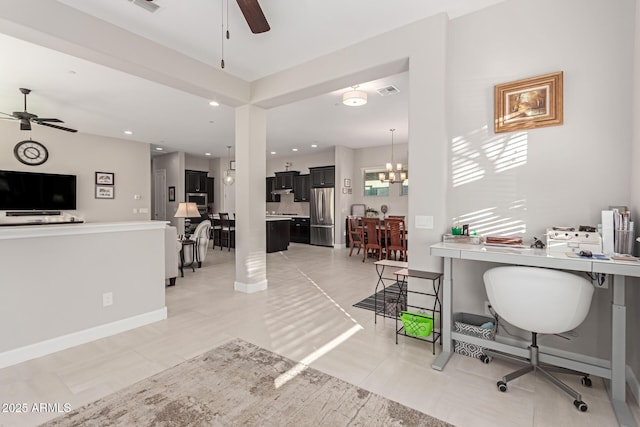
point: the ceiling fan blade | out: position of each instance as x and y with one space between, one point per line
56 126
9 115
25 124
253 15
48 120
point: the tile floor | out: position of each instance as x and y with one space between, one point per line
307 315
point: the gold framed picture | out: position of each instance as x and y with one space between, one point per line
528 104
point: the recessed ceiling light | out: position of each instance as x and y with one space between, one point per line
128 132
214 104
159 148
294 149
314 145
207 154
273 152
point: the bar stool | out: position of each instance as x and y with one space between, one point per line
226 231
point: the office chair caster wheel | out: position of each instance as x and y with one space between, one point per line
485 359
502 386
582 407
586 381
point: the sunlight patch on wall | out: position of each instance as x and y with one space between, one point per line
507 152
465 166
496 221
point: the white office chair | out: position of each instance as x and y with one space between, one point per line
541 301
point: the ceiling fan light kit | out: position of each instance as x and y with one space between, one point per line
354 98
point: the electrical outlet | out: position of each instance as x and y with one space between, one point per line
107 299
486 308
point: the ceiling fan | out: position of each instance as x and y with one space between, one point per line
27 118
250 9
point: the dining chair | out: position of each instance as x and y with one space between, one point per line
395 236
372 241
356 234
216 228
227 231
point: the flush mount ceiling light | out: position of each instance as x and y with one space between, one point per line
355 97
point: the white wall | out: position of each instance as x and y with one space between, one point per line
571 172
82 155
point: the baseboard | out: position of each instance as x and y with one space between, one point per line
633 383
22 354
249 288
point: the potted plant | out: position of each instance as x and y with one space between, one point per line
371 213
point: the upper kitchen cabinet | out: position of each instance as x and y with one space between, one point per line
301 188
271 186
284 180
195 181
324 176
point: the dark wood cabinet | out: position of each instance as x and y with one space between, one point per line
324 176
271 186
195 181
278 234
210 185
284 180
300 230
301 188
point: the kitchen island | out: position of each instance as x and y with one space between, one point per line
278 233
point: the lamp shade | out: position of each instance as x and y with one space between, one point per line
354 98
187 210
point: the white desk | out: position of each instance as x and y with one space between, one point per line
613 370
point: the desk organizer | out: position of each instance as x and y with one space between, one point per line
469 324
417 324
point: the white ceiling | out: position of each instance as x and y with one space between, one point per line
99 100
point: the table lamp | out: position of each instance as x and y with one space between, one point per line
187 210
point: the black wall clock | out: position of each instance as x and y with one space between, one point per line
31 152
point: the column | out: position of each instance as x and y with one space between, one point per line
251 142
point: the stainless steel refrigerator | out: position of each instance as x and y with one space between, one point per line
321 210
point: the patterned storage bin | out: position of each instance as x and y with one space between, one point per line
469 324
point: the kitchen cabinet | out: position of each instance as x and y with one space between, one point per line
278 233
271 186
300 230
210 182
284 180
323 176
301 188
195 181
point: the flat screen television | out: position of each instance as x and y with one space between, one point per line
36 191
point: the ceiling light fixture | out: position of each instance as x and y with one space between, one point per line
214 103
128 132
355 97
228 175
393 176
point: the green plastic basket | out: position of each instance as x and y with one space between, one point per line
417 324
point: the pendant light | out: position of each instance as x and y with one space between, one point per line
228 176
394 175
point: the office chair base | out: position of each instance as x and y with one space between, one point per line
532 365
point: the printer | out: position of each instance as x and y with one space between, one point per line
567 239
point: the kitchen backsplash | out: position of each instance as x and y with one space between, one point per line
288 206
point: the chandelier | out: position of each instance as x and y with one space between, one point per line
393 175
228 175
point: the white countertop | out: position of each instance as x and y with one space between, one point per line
534 257
66 229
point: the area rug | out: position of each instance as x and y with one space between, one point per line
237 384
369 303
